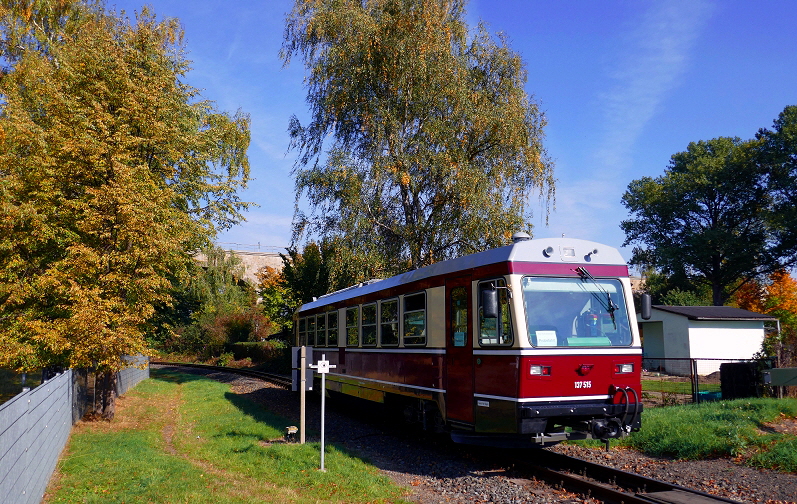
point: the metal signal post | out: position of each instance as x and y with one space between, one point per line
322 368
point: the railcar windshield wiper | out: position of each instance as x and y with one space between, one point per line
608 304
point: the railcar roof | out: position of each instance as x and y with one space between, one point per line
545 250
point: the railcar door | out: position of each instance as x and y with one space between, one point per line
459 350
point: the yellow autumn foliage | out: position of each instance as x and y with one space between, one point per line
110 171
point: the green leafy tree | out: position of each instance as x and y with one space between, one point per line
422 143
112 169
277 298
776 154
304 276
705 219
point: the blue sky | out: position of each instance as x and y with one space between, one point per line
624 85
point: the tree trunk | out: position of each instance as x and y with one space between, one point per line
106 395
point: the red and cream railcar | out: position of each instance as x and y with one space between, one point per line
534 342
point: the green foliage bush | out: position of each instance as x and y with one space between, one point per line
273 354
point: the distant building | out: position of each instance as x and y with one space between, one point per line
252 261
700 332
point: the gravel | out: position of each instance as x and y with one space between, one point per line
434 470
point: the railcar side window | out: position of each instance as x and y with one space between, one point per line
575 312
311 337
302 331
369 324
459 317
415 319
352 329
496 331
321 326
388 316
332 328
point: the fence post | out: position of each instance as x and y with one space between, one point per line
695 383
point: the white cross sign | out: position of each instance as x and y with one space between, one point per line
323 365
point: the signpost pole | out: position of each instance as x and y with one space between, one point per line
302 393
323 409
323 368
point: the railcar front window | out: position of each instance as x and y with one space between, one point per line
576 313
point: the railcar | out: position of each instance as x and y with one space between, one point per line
528 344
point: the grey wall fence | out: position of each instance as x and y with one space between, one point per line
669 381
35 426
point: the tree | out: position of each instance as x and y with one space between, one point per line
112 170
223 308
705 219
304 276
776 297
776 154
422 145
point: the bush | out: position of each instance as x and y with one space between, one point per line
274 354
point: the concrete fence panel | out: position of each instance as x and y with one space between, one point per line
34 433
35 426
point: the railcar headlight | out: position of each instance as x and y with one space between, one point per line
537 370
623 368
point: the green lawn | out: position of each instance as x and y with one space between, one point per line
185 438
673 387
720 429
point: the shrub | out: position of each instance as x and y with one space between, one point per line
274 354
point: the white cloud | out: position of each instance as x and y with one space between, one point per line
649 63
652 59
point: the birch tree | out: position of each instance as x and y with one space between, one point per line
422 142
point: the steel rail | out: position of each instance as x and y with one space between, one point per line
277 379
609 484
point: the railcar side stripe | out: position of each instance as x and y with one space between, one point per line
563 351
439 351
395 384
543 399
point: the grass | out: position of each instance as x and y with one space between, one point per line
735 428
676 387
185 438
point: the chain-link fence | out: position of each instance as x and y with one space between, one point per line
670 381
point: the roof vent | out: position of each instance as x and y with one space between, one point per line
520 237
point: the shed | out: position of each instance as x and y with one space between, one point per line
700 332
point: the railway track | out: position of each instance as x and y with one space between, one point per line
277 379
609 484
592 480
